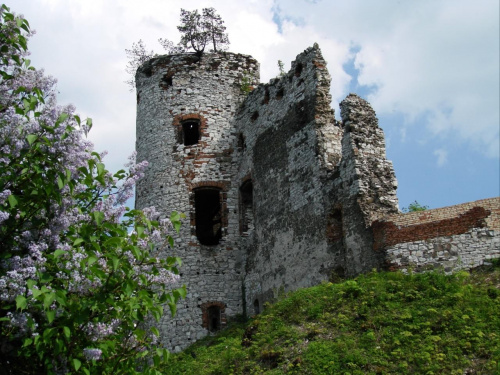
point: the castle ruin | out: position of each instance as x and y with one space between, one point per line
279 194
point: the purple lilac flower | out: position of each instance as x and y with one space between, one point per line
92 354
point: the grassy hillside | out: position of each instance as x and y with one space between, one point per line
381 323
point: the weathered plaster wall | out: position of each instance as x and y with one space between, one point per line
448 238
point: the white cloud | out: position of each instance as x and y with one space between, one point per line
431 60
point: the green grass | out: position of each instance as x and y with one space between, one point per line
380 323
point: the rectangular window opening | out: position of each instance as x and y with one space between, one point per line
208 216
190 132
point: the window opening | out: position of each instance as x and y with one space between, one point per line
190 132
166 82
256 307
255 116
214 318
266 97
208 216
298 70
241 142
246 208
279 94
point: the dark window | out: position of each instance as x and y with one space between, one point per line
298 70
256 307
241 142
166 82
190 132
246 207
255 116
208 215
266 97
279 94
214 318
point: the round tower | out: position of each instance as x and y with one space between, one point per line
185 130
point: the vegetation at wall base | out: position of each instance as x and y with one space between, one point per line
379 323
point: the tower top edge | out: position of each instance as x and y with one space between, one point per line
188 58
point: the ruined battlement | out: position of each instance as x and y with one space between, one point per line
278 193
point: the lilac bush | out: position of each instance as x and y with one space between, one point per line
80 273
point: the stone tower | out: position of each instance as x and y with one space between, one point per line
185 107
278 194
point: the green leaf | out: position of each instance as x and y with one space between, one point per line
21 302
36 292
113 242
100 168
98 217
51 314
61 297
78 241
76 364
12 201
48 299
63 116
45 278
60 182
136 251
32 138
89 123
67 332
173 308
116 263
91 260
182 292
59 252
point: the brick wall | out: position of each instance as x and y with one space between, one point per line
449 238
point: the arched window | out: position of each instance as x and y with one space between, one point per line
190 132
256 307
208 217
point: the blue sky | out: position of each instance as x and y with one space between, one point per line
430 69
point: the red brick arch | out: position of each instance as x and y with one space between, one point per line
205 308
179 119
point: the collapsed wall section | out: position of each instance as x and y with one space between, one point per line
448 238
184 109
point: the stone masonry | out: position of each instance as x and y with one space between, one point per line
278 193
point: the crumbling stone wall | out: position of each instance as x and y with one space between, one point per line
318 183
364 185
449 238
291 141
279 194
